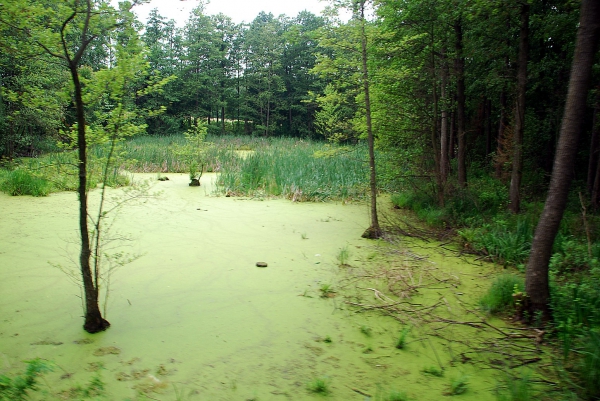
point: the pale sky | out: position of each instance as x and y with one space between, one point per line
238 10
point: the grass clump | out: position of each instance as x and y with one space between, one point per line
433 371
318 386
327 291
589 365
343 256
401 341
396 396
458 385
22 182
500 295
516 389
18 388
366 330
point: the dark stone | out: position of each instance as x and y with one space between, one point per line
261 264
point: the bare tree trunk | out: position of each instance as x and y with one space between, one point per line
223 120
434 128
588 36
452 138
596 188
94 322
499 165
594 146
517 162
487 128
444 162
460 107
374 231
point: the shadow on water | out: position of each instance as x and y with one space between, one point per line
195 315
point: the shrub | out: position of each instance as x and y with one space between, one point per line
516 388
589 368
318 386
22 182
17 388
500 295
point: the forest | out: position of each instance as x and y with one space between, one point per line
480 117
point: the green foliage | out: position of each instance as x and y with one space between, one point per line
194 150
23 182
589 365
318 386
499 297
573 255
576 303
516 388
504 241
290 169
396 396
458 385
327 290
434 371
343 256
366 330
18 388
401 341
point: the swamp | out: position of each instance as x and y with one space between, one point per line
389 201
193 317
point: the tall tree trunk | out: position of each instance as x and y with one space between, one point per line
588 36
594 145
460 106
596 188
499 162
374 231
434 128
487 128
94 322
444 139
452 138
223 120
517 161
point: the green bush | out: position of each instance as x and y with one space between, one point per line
571 255
505 242
18 388
499 297
589 368
516 388
22 182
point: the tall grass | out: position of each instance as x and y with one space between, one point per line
500 295
297 170
22 182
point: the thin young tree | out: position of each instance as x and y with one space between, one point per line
517 162
588 36
68 31
374 230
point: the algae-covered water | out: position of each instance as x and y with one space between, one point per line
194 318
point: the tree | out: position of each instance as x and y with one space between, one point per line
588 36
264 47
374 231
66 31
517 162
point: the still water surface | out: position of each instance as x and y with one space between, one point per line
193 315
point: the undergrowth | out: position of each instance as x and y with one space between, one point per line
299 170
500 295
19 387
